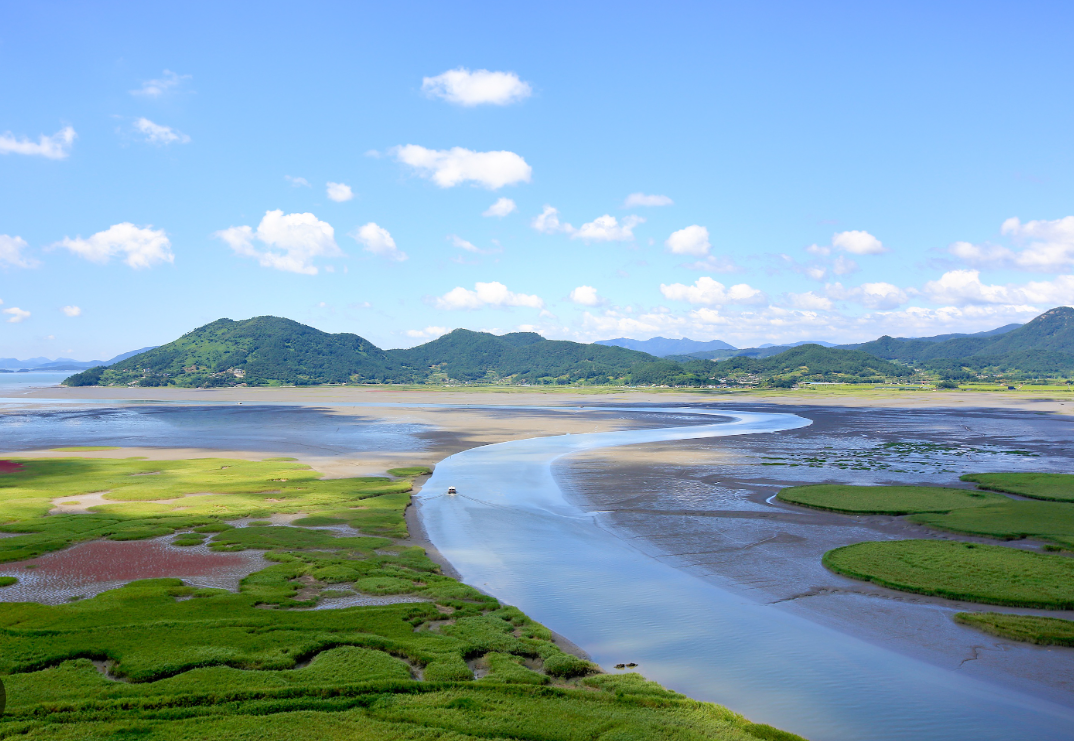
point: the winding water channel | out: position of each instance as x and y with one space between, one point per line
511 532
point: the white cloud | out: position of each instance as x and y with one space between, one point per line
809 301
501 208
462 244
450 167
964 288
547 222
710 292
156 88
297 182
294 241
55 147
606 229
871 295
858 243
819 251
693 240
378 241
159 135
586 296
139 247
466 88
72 311
339 192
486 294
11 252
640 199
429 333
17 314
1050 247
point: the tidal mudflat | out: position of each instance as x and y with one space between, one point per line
709 507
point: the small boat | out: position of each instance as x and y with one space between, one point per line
451 491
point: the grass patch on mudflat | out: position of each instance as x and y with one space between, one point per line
885 500
1009 520
962 571
1058 487
1043 631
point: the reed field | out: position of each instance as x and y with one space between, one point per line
885 500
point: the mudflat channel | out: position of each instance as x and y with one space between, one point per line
707 507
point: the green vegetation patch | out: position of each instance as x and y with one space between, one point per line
1057 487
886 500
410 471
962 571
1044 631
1009 520
7 581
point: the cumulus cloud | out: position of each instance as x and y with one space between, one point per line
158 87
493 294
586 296
640 199
291 241
711 292
1049 247
450 167
871 295
547 222
607 229
429 333
297 182
55 147
72 311
858 243
139 247
378 241
500 208
12 252
693 240
809 301
480 87
17 315
158 134
844 266
965 288
339 192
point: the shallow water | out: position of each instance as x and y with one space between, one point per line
511 532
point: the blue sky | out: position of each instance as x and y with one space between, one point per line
828 171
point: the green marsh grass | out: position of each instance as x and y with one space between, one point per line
1043 631
886 500
1057 487
961 571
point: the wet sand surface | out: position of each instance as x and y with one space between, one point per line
707 507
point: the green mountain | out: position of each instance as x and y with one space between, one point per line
1044 345
803 363
273 350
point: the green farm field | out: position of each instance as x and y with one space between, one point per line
159 659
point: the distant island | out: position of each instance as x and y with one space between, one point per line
276 351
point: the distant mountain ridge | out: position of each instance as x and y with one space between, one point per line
62 364
663 346
274 350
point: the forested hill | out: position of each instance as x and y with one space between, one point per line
273 350
1044 345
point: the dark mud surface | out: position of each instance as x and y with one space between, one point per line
708 506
